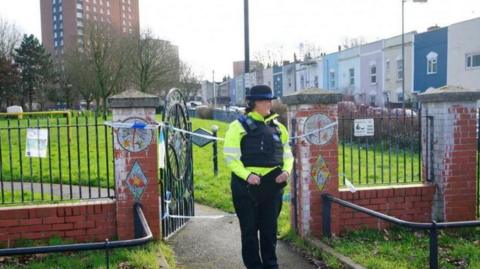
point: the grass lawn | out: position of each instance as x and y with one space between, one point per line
80 154
401 248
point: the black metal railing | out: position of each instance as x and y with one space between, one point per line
77 164
392 155
143 234
433 227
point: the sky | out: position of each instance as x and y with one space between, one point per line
210 34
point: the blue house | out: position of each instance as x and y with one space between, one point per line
277 81
430 59
330 71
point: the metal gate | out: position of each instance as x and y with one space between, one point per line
177 175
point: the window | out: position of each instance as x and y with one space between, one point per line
473 61
400 97
54 26
94 9
54 9
61 33
87 8
399 69
79 6
108 3
108 11
373 74
332 79
79 32
55 35
316 82
372 100
351 73
61 17
101 10
61 42
56 43
387 70
79 14
302 82
54 18
432 65
60 9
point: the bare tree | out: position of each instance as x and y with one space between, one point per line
154 64
353 42
79 75
9 38
106 55
189 83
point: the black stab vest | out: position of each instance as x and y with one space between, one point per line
261 146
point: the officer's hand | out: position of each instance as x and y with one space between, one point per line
253 179
283 177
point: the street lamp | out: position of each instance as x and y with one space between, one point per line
403 47
246 31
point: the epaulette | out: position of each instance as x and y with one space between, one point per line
247 123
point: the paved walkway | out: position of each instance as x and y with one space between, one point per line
215 243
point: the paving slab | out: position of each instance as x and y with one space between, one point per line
215 243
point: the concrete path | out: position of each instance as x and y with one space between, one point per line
215 243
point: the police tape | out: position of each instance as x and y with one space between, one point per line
285 198
141 125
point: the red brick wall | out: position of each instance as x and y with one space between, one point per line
83 222
412 203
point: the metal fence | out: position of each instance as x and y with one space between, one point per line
76 162
388 153
433 227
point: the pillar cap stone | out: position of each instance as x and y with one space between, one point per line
449 93
132 98
312 96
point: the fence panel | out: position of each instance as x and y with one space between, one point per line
77 163
391 155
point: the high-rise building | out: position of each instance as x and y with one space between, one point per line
63 21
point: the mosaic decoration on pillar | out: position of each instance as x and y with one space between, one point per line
320 173
135 139
136 181
317 121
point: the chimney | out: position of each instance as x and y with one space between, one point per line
433 28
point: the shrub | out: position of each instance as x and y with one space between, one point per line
204 112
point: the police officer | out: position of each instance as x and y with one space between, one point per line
255 145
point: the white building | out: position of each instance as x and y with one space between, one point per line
393 68
309 74
289 79
268 77
463 67
349 71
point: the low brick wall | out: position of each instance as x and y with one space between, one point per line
82 222
410 203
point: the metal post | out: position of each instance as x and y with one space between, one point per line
433 246
215 150
107 253
247 41
326 216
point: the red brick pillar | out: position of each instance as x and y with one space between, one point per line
449 115
136 172
316 157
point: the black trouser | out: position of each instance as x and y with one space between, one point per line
253 219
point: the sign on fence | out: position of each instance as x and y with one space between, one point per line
363 127
37 142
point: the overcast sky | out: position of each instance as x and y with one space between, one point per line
209 33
